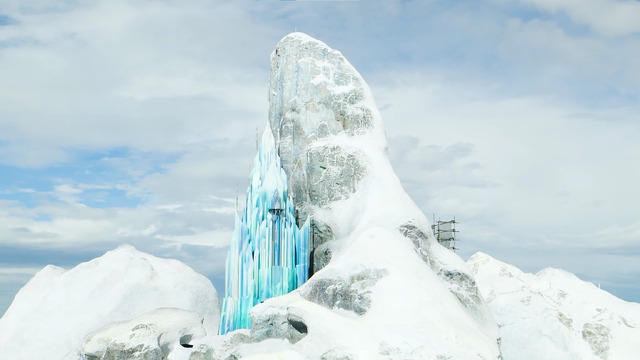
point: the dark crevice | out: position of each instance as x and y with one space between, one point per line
298 325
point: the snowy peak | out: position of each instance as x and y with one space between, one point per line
310 79
328 132
554 314
332 146
302 37
324 120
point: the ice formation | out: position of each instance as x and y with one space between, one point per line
269 254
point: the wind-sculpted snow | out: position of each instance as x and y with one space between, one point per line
269 254
555 315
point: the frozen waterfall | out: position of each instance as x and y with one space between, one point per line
269 254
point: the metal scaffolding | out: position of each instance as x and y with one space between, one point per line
445 232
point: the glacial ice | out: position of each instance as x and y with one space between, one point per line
269 254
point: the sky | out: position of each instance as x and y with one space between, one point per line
135 122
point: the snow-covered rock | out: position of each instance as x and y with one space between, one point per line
555 315
151 336
383 287
55 312
214 347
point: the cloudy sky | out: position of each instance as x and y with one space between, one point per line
134 122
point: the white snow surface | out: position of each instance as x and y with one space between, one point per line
412 314
555 315
57 310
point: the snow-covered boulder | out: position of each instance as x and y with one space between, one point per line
151 336
383 287
555 315
214 347
55 312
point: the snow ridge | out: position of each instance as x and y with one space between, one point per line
554 314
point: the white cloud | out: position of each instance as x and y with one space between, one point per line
106 75
217 238
18 271
607 17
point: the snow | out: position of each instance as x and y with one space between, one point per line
412 315
54 313
153 335
555 315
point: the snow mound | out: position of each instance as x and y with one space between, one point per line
52 315
555 315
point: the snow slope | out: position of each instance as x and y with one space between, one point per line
53 314
555 315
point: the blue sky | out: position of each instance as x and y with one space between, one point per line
134 122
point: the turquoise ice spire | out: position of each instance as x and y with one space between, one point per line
269 254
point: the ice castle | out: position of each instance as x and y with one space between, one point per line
269 254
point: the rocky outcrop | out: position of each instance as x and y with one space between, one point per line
315 94
222 347
598 337
151 336
277 323
352 293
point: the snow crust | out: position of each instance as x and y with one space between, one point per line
55 312
555 315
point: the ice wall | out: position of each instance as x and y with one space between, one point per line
269 254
